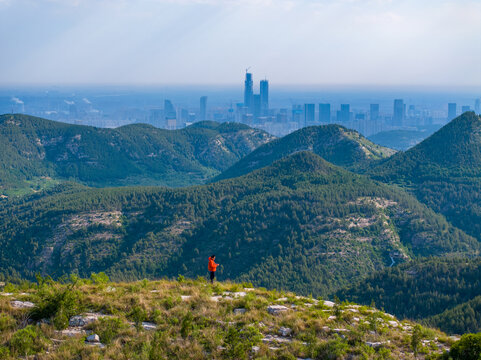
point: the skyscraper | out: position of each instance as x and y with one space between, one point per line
451 111
297 114
249 93
465 108
170 115
344 115
256 105
264 91
309 114
325 113
374 112
398 114
477 106
203 108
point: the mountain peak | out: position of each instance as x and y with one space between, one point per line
334 143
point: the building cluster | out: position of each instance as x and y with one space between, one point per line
255 111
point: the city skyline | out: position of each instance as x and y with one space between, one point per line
373 42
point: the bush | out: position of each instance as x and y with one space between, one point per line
59 303
239 341
331 350
108 328
28 341
100 278
468 348
7 322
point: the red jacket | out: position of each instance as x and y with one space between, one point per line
212 265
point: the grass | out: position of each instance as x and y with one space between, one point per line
196 320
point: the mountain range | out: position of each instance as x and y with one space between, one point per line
32 148
320 211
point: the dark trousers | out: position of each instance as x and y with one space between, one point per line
212 276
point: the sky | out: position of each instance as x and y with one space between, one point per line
327 42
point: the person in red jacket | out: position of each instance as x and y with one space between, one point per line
212 267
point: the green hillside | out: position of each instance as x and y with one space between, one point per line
301 224
188 319
445 292
334 143
444 172
33 148
465 317
401 139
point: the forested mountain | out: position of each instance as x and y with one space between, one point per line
301 224
138 154
444 172
334 143
445 292
401 139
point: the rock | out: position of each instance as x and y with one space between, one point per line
185 297
6 294
282 299
94 338
353 310
16 304
275 338
340 330
235 294
329 303
82 320
285 331
276 309
149 326
332 317
255 348
356 319
249 289
374 344
393 323
72 332
239 311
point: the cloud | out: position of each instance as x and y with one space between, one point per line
16 100
68 102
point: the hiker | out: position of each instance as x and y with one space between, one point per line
212 268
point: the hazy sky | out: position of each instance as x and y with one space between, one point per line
384 42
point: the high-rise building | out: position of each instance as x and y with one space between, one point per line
297 114
477 106
256 105
309 114
399 111
203 108
264 92
170 115
325 113
465 108
451 111
249 93
374 112
344 115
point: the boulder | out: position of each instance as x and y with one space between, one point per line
82 320
239 311
22 304
94 338
285 331
276 309
149 326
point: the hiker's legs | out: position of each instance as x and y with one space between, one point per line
212 276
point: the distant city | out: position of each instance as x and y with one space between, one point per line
367 111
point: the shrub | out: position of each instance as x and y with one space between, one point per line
7 322
138 315
108 328
59 303
28 341
331 350
100 278
468 348
239 341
